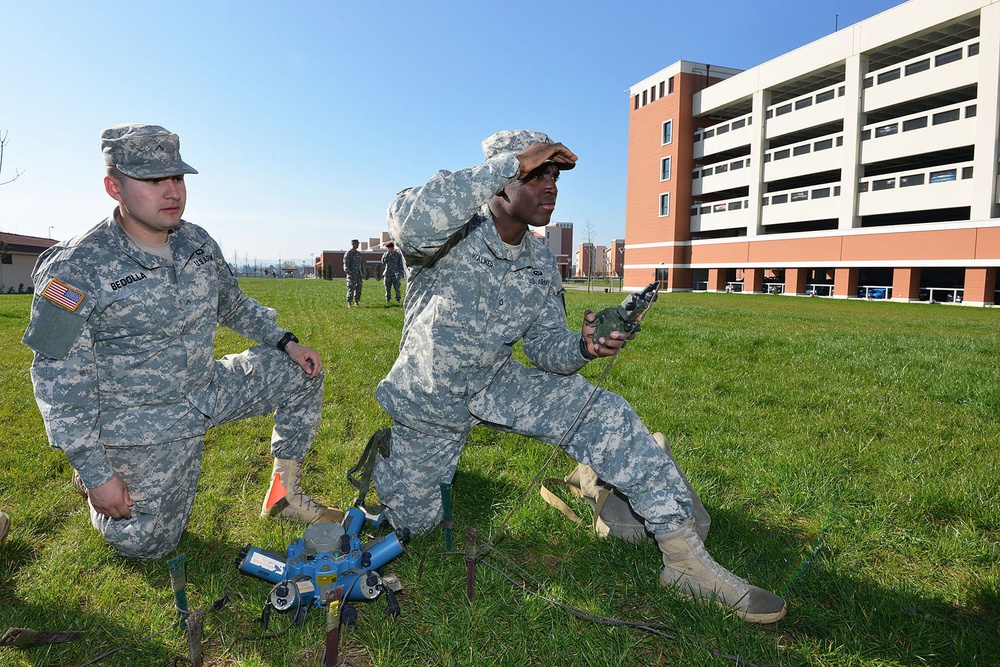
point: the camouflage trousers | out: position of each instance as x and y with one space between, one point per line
354 283
608 436
162 478
391 280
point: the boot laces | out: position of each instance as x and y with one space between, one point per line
741 585
299 494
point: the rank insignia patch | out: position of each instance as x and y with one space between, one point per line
63 295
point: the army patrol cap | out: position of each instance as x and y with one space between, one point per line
144 151
515 141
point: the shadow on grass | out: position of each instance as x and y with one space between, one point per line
836 615
127 607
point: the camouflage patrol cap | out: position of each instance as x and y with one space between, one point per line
515 141
144 151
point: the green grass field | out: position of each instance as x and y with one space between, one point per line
846 451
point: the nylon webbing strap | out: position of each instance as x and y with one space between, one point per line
377 445
572 483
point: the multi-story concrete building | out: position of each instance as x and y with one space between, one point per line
861 164
592 261
559 239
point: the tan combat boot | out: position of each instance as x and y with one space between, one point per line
4 526
285 497
692 571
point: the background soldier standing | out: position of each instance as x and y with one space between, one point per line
392 263
354 268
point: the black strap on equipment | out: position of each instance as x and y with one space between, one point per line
378 445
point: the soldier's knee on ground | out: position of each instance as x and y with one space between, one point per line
143 537
141 546
417 523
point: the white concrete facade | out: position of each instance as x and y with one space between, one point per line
886 126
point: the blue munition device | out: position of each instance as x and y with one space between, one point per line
327 556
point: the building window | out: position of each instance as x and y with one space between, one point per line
886 77
949 57
6 258
974 49
636 105
644 98
824 96
886 130
943 176
661 89
664 204
918 66
668 132
665 169
946 116
670 85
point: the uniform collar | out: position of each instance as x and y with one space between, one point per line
182 244
128 247
500 250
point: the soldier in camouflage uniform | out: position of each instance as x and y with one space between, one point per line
392 263
479 282
123 325
354 269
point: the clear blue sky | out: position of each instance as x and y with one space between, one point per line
305 118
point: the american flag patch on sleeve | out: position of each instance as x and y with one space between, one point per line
63 295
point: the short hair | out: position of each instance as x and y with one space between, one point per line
116 173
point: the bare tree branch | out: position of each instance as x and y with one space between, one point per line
17 174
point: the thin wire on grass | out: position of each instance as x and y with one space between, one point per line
658 629
817 544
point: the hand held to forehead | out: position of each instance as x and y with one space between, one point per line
539 153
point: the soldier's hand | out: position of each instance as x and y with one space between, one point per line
307 359
111 499
536 155
604 347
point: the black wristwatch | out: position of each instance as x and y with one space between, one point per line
584 351
289 337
